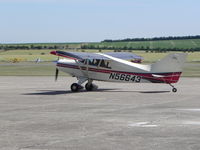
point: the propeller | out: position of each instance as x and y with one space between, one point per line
57 71
56 75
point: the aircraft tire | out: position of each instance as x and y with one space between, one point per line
174 90
75 87
89 87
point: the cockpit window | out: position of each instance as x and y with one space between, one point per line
83 61
104 64
96 62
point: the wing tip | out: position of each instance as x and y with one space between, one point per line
53 53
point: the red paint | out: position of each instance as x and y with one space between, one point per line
53 52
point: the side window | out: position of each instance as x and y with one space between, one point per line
94 62
105 64
83 61
102 64
91 62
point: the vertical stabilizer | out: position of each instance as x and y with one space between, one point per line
170 63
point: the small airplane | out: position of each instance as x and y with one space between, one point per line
115 67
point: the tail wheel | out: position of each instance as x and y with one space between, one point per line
75 87
89 87
174 90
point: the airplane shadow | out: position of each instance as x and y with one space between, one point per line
149 92
52 92
144 92
62 92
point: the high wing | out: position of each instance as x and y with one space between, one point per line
84 55
78 55
123 55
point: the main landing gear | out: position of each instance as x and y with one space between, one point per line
89 86
75 87
173 88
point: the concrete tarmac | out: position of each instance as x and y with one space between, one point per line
37 113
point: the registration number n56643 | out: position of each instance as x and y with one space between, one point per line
125 77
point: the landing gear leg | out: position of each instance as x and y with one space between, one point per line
173 88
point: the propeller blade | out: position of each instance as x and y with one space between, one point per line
56 75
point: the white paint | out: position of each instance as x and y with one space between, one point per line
150 125
128 63
138 124
142 124
191 109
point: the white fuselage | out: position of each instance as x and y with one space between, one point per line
111 71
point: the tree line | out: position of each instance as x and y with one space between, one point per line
142 48
32 47
154 38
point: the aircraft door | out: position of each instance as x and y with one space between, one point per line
83 66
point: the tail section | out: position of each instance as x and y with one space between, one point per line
169 68
171 63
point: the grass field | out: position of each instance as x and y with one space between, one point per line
187 43
28 69
191 43
48 69
191 70
32 55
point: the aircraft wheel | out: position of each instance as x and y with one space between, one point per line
75 87
174 90
89 87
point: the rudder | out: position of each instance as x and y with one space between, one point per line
171 63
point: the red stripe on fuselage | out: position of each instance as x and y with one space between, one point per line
171 77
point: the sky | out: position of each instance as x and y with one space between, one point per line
41 21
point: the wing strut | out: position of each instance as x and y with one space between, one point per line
81 68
